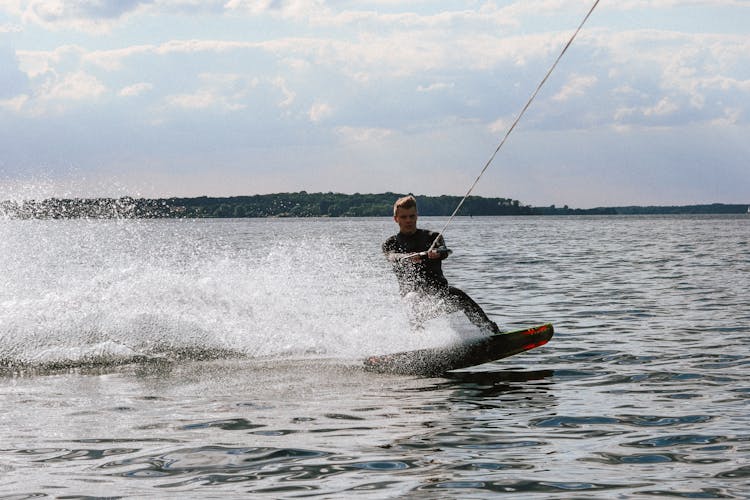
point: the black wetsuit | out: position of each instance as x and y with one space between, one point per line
426 276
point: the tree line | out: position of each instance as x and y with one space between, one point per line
303 204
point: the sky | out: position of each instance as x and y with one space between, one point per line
649 106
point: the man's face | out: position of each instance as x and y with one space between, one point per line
406 218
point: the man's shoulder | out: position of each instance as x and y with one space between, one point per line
391 242
427 232
426 235
419 235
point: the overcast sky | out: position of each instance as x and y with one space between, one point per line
651 105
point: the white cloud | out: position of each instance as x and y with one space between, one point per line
296 63
730 117
10 28
370 58
74 86
319 111
626 90
725 84
38 62
622 114
437 86
223 92
93 16
666 4
420 48
135 90
665 106
289 95
56 94
687 63
15 104
501 125
577 86
115 59
363 134
307 11
101 16
198 100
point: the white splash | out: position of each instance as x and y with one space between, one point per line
112 290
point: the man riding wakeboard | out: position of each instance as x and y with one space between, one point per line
418 267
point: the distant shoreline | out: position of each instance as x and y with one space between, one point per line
303 204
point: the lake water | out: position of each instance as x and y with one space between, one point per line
221 358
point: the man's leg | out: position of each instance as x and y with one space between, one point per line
421 307
476 315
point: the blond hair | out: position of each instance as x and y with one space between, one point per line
405 203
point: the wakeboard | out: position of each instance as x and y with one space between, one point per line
434 362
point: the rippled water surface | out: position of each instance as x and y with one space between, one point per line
219 359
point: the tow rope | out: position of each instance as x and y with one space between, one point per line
515 122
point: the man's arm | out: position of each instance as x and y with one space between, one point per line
389 250
394 256
440 251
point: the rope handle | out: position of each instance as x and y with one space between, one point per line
443 251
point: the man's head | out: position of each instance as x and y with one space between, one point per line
405 214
